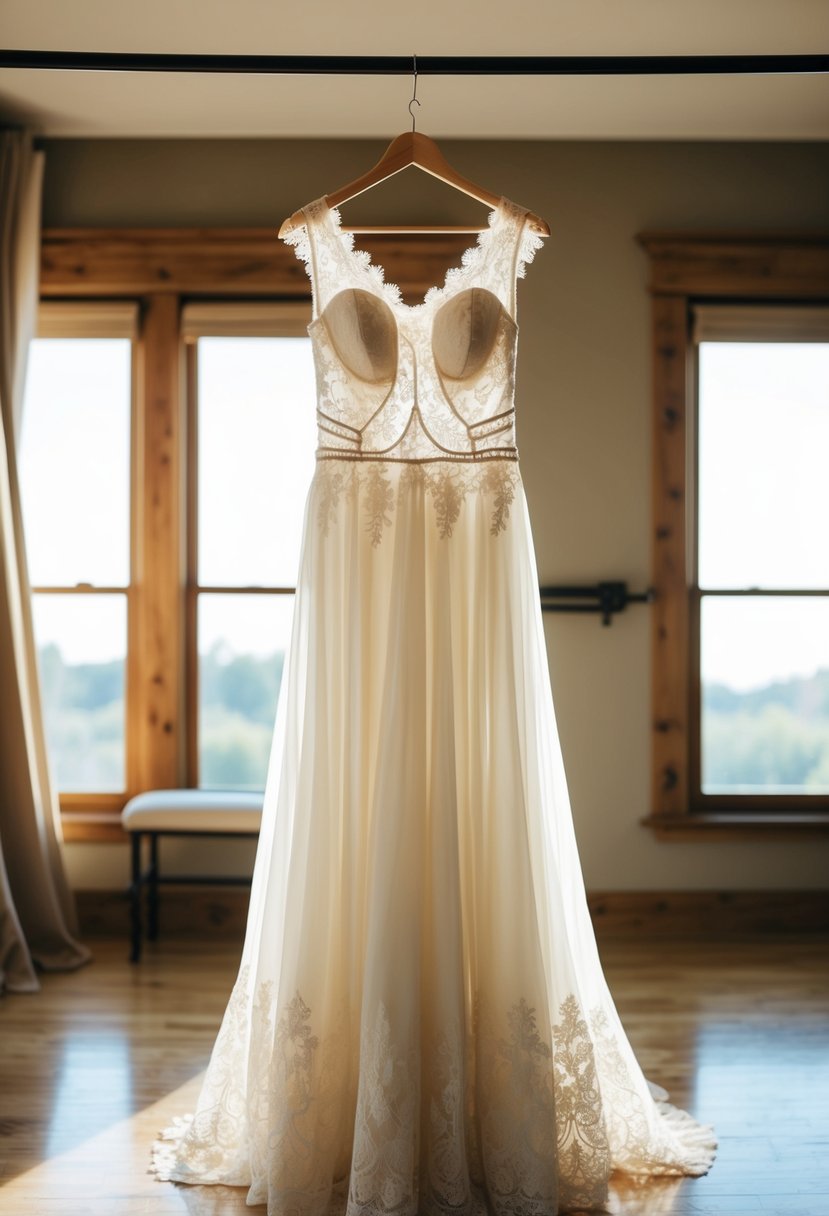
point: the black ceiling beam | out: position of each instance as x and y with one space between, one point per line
427 65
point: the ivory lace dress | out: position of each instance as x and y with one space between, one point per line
420 1022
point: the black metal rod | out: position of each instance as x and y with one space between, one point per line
582 593
551 607
427 65
607 598
609 589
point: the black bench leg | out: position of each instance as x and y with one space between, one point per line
152 920
135 898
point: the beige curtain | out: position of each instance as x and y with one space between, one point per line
37 915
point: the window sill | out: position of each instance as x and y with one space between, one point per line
724 825
101 827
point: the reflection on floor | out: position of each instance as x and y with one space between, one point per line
95 1064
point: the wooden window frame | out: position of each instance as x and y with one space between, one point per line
88 319
162 269
688 269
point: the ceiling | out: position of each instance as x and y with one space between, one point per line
166 106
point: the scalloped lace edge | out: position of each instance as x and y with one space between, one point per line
530 244
298 239
471 258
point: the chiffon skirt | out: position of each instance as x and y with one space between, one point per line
420 1021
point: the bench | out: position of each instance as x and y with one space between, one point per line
180 812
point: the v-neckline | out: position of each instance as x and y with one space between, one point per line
470 259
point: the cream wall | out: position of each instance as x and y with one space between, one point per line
583 409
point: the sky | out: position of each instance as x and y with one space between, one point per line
763 496
763 507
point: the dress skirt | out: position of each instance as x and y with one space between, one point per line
420 1022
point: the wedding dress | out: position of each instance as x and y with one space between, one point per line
420 1022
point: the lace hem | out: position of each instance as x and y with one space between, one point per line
646 1140
698 1140
522 1118
165 1147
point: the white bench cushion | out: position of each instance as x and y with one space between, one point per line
193 811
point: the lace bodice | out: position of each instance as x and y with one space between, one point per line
422 382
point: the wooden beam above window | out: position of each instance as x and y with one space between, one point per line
747 266
226 262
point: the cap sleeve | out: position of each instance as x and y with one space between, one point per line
300 242
528 245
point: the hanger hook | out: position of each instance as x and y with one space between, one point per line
414 101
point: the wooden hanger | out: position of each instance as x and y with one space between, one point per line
412 148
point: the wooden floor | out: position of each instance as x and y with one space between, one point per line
94 1065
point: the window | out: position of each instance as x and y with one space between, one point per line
740 627
251 440
76 456
253 435
762 585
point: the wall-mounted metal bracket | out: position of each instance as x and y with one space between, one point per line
606 598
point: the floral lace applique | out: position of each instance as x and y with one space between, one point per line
382 1167
583 1149
517 1112
447 490
379 502
305 1141
301 1141
646 1140
330 483
377 486
213 1144
497 481
447 1159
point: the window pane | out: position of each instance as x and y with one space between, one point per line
257 435
242 644
75 461
763 439
82 647
765 695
